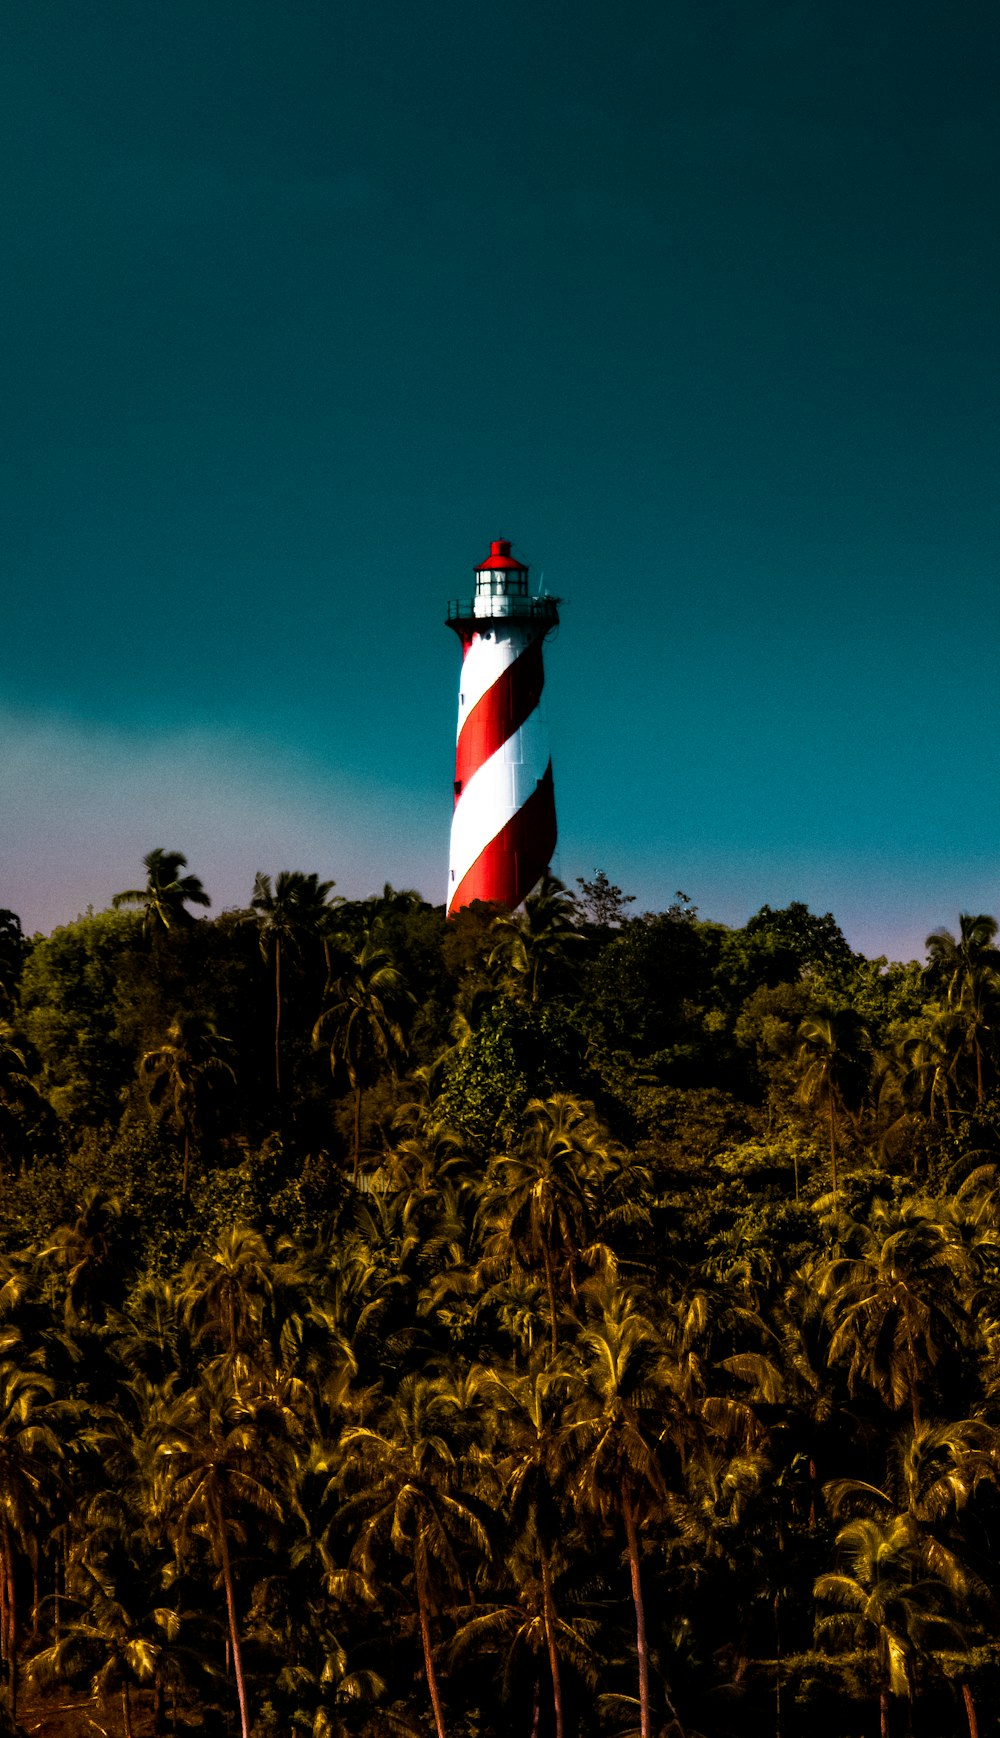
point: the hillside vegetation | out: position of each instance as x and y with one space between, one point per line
564 1324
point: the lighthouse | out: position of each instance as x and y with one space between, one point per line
503 829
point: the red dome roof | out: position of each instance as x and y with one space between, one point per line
499 557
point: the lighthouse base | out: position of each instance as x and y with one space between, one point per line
517 857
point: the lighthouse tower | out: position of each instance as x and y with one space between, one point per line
503 831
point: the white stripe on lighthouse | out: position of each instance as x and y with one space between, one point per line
495 792
484 661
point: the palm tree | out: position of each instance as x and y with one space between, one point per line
536 941
209 1465
288 916
532 1463
29 1448
234 1296
613 1429
363 1024
117 1646
89 1248
544 1200
26 1117
930 1059
181 1072
968 970
404 1480
882 1600
167 893
12 952
934 1474
894 1308
953 963
830 1060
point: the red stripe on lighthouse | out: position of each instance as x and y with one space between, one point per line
509 866
502 709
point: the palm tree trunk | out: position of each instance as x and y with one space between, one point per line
357 1134
551 1288
970 1711
12 1650
126 1710
833 1148
883 1711
425 1636
187 1160
277 1015
227 1578
10 1623
640 1617
549 1621
777 1665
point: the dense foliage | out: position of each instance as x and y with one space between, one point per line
563 1324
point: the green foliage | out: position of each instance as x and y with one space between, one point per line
77 1009
593 1393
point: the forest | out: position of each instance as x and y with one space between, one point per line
573 1323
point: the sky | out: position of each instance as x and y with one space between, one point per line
304 303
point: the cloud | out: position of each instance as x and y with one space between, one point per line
81 804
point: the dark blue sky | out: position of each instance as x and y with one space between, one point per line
304 303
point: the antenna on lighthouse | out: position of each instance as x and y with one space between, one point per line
503 830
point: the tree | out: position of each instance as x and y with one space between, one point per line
882 1600
613 1429
930 1058
363 1024
73 1009
404 1480
831 1063
541 938
895 1308
544 1203
181 1073
167 894
288 916
532 1463
29 1448
12 952
603 902
209 1466
26 1118
968 970
934 1474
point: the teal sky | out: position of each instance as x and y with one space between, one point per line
303 303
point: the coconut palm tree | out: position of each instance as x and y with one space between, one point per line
542 937
533 1462
167 894
968 971
288 916
612 1430
363 1024
896 1307
543 1205
831 1064
182 1071
930 1060
404 1480
12 952
26 1117
883 1601
212 1467
934 1473
29 1449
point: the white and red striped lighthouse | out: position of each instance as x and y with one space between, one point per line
503 831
